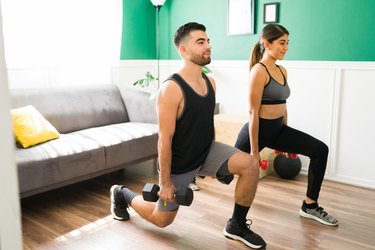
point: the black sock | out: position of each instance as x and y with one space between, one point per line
128 195
239 213
310 206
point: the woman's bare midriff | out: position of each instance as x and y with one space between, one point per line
273 111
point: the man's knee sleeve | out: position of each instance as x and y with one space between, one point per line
223 175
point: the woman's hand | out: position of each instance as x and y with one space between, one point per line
256 156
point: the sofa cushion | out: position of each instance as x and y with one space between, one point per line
69 157
30 127
140 106
72 108
125 142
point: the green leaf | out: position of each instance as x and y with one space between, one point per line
145 82
206 70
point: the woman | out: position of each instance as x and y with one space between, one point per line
267 126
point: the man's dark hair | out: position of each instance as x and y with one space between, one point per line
185 30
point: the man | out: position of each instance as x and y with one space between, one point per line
186 146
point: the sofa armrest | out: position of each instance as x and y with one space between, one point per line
139 106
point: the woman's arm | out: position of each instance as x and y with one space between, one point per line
258 79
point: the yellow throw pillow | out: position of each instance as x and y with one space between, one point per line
31 128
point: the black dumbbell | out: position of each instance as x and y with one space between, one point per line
183 196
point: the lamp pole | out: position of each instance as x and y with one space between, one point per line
158 4
158 40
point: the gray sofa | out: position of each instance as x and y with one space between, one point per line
102 130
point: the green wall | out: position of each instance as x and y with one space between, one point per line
138 30
324 30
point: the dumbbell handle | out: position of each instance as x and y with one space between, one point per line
183 196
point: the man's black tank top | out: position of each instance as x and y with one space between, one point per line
194 130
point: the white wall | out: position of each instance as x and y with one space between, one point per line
330 100
24 77
10 221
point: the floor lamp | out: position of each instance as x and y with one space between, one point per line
158 4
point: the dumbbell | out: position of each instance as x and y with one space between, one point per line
263 164
289 155
183 196
292 156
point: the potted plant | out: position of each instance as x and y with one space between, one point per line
147 81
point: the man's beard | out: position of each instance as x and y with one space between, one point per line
201 61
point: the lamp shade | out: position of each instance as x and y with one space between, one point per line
158 2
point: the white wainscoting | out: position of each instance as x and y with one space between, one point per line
330 100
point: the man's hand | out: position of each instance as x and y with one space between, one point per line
167 192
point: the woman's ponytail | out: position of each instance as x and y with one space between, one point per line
256 54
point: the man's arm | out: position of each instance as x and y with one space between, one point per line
168 104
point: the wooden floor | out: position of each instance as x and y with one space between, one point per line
77 217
